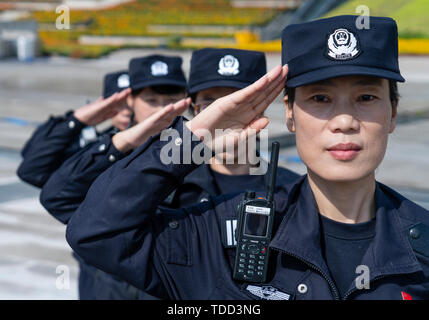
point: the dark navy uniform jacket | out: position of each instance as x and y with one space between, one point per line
67 187
179 254
49 146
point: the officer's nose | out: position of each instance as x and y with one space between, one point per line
344 119
127 112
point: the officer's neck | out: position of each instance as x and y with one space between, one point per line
347 202
229 169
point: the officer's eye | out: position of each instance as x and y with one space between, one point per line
320 98
366 97
151 101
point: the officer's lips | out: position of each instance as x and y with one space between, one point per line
344 151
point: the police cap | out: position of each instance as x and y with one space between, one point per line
340 46
115 82
156 70
225 68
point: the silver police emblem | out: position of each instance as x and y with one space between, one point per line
267 292
342 45
228 66
159 68
123 81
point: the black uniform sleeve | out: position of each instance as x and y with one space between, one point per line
67 187
48 148
117 227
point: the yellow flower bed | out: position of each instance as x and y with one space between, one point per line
414 46
248 40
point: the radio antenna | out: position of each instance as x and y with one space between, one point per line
272 171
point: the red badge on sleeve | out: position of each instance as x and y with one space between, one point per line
406 296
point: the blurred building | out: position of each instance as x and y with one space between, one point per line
18 39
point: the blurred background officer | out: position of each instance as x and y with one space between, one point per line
215 73
115 82
60 137
155 80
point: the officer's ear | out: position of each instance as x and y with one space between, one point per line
290 123
394 113
394 100
130 101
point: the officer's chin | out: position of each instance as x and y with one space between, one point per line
229 158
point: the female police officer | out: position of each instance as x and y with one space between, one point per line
342 115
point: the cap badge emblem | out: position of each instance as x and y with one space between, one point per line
343 45
228 66
159 68
123 81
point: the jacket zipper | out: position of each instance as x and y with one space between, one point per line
355 289
325 276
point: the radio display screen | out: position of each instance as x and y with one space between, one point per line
256 225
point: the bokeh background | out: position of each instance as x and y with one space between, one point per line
46 69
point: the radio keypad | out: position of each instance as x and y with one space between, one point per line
252 259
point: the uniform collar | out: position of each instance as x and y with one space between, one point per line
203 178
299 234
390 252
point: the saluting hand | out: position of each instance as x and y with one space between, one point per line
135 136
102 109
240 111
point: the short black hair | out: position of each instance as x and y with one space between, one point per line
162 89
393 92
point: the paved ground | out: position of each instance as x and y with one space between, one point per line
32 245
34 252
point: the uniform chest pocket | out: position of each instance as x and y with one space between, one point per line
179 245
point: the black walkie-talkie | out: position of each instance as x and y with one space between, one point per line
255 224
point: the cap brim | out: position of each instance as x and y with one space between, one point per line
341 71
158 82
217 84
108 94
